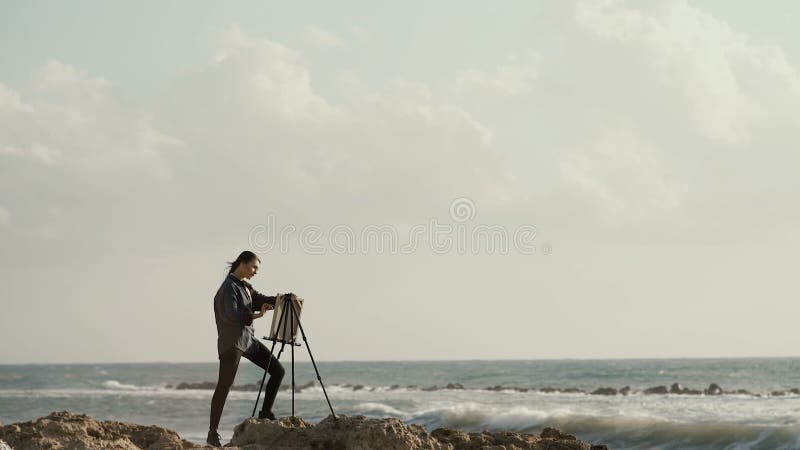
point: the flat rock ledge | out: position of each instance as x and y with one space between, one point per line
68 431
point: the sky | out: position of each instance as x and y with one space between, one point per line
437 181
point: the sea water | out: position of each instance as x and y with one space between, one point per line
496 395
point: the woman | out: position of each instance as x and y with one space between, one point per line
233 305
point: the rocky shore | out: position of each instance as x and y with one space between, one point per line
70 431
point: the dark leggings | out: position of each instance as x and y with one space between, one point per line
229 363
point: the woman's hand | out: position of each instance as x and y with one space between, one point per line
264 308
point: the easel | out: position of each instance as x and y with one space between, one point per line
289 316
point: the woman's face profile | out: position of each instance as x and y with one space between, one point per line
250 268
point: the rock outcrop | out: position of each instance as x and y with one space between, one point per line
605 391
362 433
656 390
68 431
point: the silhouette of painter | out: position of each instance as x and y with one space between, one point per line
236 305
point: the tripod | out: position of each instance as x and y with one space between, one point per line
289 315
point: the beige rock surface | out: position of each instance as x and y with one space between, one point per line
69 431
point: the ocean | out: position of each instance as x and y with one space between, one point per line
515 395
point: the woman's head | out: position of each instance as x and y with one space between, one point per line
245 265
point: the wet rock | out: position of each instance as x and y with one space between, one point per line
454 386
713 389
605 391
200 385
678 388
625 391
656 390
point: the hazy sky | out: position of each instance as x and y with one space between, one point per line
652 146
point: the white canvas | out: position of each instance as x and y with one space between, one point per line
287 330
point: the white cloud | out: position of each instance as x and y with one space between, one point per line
629 118
265 77
77 158
644 115
394 146
624 179
10 101
722 73
57 74
317 37
75 119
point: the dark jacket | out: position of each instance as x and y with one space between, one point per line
233 312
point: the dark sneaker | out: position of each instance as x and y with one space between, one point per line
266 415
213 439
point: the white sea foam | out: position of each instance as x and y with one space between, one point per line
378 409
116 385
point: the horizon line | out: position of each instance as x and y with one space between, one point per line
665 358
